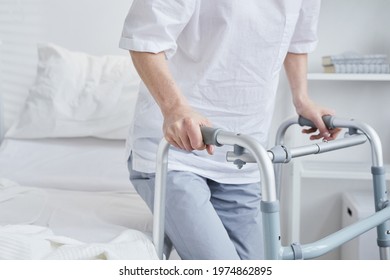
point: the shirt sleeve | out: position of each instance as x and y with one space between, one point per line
305 37
154 25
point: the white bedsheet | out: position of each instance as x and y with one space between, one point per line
25 242
83 164
85 216
75 191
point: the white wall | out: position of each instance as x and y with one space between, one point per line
361 26
92 26
352 25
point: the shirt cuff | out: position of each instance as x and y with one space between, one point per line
147 46
303 47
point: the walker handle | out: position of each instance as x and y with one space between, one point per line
328 120
209 135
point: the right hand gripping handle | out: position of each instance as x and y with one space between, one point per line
209 135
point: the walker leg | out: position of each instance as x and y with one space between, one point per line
271 229
381 202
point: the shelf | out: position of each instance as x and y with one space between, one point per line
347 77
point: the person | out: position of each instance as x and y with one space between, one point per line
214 63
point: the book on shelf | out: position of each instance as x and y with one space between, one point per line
354 58
360 68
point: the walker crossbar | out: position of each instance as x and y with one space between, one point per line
359 133
283 154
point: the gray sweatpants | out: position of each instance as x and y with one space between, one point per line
206 219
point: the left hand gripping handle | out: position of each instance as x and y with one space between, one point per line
328 120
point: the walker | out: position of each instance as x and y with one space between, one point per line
247 150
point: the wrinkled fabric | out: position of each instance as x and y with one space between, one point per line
226 57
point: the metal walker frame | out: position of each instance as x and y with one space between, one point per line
358 133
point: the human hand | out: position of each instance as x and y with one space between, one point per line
314 113
182 129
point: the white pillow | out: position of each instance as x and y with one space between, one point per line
78 95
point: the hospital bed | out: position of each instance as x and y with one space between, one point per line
64 187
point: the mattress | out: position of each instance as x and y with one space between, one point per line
84 216
87 164
78 188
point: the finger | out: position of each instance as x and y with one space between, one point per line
323 130
210 149
180 144
185 140
309 130
195 136
334 133
172 142
177 136
316 137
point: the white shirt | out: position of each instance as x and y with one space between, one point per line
226 56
